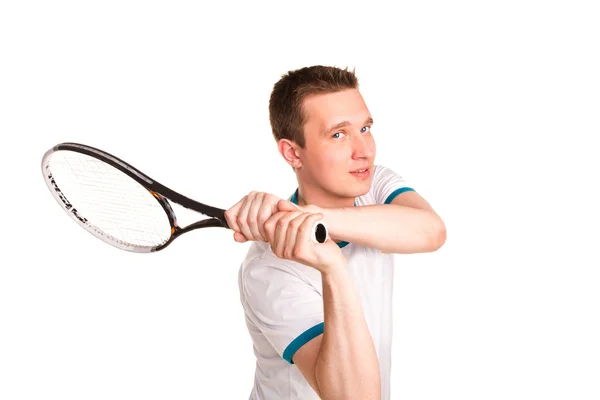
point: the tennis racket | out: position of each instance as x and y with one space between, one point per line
119 204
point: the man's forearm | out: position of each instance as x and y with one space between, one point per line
347 366
388 227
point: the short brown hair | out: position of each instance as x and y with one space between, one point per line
285 104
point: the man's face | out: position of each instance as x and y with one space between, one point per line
338 143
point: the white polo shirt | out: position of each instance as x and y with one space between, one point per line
283 303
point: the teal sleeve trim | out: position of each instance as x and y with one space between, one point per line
301 340
396 192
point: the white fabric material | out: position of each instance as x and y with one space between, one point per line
283 299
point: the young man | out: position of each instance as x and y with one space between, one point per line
320 314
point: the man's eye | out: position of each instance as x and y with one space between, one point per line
365 129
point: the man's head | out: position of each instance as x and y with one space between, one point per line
322 126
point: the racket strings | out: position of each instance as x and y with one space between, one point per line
114 205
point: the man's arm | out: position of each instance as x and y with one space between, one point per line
342 362
407 225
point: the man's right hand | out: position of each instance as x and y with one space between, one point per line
290 236
248 216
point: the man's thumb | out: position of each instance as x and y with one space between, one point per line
239 237
284 205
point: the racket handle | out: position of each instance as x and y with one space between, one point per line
319 232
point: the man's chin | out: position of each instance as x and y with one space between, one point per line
358 190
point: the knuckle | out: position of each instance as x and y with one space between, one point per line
264 215
297 253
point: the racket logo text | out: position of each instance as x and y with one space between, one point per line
66 202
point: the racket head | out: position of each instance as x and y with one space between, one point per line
109 198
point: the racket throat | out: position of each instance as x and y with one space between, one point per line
206 223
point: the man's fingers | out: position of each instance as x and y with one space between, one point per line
267 209
305 230
252 218
281 227
232 213
292 235
270 225
248 217
242 218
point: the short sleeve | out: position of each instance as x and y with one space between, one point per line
285 307
387 184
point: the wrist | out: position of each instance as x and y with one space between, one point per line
333 272
311 208
332 218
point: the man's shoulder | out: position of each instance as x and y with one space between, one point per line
379 173
382 172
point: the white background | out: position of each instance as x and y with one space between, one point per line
489 110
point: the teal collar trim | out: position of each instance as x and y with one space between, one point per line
294 199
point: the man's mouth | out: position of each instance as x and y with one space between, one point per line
360 170
362 173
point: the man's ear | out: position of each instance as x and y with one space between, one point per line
288 151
